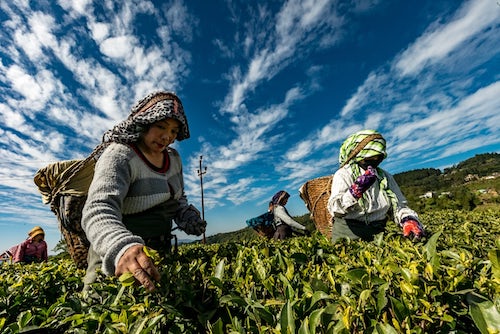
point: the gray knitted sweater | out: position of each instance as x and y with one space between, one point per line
124 184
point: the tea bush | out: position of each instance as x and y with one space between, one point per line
448 282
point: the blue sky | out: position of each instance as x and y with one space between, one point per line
270 88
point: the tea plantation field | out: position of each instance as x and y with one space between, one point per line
447 283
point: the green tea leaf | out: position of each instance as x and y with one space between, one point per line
430 247
315 319
127 279
357 275
304 327
494 257
381 328
317 296
287 319
219 269
217 327
382 298
400 310
484 313
152 254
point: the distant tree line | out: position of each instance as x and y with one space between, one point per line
431 179
449 187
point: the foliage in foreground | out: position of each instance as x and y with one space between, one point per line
449 282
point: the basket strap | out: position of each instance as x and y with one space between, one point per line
360 146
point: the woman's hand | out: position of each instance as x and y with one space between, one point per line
135 261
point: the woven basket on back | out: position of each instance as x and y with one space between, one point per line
69 215
315 194
64 185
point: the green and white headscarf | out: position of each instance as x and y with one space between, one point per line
374 147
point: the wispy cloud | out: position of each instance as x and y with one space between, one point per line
298 28
299 24
440 40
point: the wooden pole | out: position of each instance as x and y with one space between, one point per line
200 174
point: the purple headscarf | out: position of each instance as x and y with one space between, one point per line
280 197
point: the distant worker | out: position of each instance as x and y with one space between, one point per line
363 195
283 222
33 249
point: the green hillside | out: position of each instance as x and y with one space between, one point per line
431 179
472 183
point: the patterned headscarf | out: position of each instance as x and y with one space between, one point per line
279 197
154 107
375 147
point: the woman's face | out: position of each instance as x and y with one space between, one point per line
161 134
371 161
38 238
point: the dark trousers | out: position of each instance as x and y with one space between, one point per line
282 232
354 229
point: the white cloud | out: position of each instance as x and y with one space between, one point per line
11 118
99 31
117 47
297 25
36 90
78 6
42 25
440 40
29 44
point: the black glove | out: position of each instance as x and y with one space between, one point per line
197 227
189 220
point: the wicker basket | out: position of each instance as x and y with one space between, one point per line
64 185
315 194
69 215
78 247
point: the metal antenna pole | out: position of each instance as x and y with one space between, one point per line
200 174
